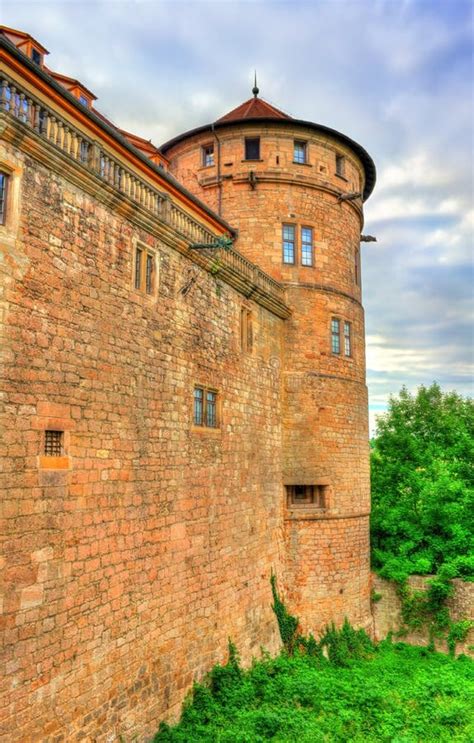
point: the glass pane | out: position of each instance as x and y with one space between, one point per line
138 268
198 406
299 153
252 149
306 246
150 265
211 409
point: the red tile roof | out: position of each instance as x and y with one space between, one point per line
254 108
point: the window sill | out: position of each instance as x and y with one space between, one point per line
206 430
207 167
253 160
342 177
54 463
306 165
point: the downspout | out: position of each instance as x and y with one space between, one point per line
219 179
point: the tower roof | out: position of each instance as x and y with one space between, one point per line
254 108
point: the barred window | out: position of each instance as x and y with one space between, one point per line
299 152
306 246
144 272
208 155
335 335
205 407
288 243
4 178
53 443
347 339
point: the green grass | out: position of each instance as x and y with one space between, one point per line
400 694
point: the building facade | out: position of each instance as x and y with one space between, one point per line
178 419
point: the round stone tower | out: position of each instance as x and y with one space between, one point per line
295 190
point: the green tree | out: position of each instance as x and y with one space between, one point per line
422 471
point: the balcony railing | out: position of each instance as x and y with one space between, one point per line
91 155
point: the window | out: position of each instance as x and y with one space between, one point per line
53 443
252 148
36 56
205 407
246 331
307 495
335 338
208 155
306 246
357 266
3 196
340 165
299 152
144 270
288 243
83 100
347 339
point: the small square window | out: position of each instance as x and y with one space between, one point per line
307 495
252 148
299 152
340 165
208 155
4 179
53 443
288 234
205 410
145 270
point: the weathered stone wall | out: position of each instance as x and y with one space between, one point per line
125 573
325 427
387 611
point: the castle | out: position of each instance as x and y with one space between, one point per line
183 399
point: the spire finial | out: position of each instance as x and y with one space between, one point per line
255 90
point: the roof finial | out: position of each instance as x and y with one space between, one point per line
255 90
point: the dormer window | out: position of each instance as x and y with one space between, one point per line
85 101
252 148
36 56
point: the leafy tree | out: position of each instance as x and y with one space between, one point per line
422 469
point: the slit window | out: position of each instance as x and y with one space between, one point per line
205 412
307 495
208 155
246 330
335 335
288 243
53 443
357 266
3 196
252 148
347 339
340 165
299 152
306 246
144 271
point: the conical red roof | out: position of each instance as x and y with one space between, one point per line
254 108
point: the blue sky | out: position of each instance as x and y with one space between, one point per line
395 75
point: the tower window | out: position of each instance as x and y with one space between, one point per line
246 330
205 407
144 278
347 339
306 246
335 335
3 196
307 495
53 443
357 266
207 155
340 165
288 243
252 148
299 152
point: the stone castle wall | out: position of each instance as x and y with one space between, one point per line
125 573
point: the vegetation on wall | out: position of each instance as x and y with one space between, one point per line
422 471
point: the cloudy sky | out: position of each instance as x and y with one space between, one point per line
395 75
